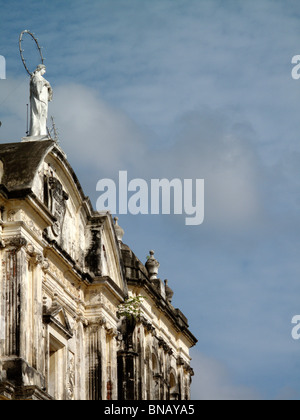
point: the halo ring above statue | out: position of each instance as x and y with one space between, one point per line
22 50
41 94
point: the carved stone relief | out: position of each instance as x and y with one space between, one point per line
55 199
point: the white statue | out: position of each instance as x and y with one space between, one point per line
40 94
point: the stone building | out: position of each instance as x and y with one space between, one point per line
64 274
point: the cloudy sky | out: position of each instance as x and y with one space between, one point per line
188 89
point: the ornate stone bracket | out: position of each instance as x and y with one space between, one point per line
180 361
148 326
95 324
165 346
45 264
112 332
36 257
17 242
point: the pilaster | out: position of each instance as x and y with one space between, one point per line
19 361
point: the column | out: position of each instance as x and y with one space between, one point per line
95 360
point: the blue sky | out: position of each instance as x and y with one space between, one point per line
188 89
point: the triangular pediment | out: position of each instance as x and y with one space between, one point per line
61 317
58 319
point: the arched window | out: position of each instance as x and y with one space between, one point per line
156 377
173 387
186 390
148 374
154 364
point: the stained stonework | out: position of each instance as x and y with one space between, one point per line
64 272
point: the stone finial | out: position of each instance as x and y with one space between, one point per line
169 292
152 266
119 231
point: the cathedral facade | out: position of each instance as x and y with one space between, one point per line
81 317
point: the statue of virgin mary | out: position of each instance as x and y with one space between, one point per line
40 94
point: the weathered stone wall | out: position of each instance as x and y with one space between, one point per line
63 274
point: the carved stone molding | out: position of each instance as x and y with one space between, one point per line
56 202
39 259
56 316
11 216
16 242
45 264
148 326
30 250
165 346
71 377
81 319
101 321
36 257
180 361
111 331
94 324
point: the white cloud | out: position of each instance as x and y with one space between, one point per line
14 95
202 143
91 130
212 381
211 145
206 144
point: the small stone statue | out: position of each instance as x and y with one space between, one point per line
40 94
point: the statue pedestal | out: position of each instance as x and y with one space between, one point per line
35 138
